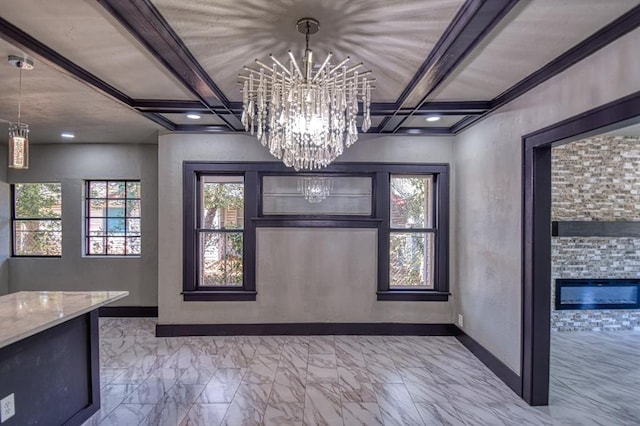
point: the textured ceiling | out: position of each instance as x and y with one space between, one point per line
392 38
539 32
84 32
121 70
53 103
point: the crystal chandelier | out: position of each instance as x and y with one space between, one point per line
315 189
19 132
305 115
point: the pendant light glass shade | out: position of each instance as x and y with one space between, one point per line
18 146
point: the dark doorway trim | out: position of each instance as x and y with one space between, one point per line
536 232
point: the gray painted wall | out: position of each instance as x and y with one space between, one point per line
5 225
71 164
303 275
488 190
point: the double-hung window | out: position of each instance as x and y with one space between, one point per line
415 235
37 219
220 231
219 235
411 234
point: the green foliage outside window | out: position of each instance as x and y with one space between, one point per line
37 225
222 252
410 253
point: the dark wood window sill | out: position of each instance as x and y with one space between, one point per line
219 295
413 296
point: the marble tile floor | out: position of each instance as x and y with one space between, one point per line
310 380
595 378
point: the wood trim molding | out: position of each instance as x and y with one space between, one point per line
473 22
307 329
412 296
128 311
608 34
143 20
220 296
595 228
500 369
471 25
613 31
50 57
536 238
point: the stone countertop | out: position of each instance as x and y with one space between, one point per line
26 313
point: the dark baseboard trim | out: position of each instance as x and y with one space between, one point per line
128 311
504 373
390 329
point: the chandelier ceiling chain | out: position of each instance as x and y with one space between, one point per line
306 115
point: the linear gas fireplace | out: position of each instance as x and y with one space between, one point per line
597 294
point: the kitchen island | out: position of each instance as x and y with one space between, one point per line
49 355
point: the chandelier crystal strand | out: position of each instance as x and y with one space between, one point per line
305 117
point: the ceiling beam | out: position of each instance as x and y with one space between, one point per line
609 33
452 106
422 131
161 120
471 25
143 20
377 109
166 105
201 128
614 30
53 59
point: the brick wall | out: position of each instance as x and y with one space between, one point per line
596 179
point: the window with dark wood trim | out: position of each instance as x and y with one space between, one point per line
36 218
112 218
412 246
416 243
219 235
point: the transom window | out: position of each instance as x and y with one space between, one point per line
316 195
37 219
112 218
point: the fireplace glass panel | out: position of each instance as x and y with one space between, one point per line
600 294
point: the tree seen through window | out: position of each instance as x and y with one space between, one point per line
37 219
221 234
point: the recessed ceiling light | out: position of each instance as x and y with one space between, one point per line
433 118
68 135
193 116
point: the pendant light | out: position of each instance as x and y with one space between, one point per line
18 131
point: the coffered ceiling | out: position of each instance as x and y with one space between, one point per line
122 70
